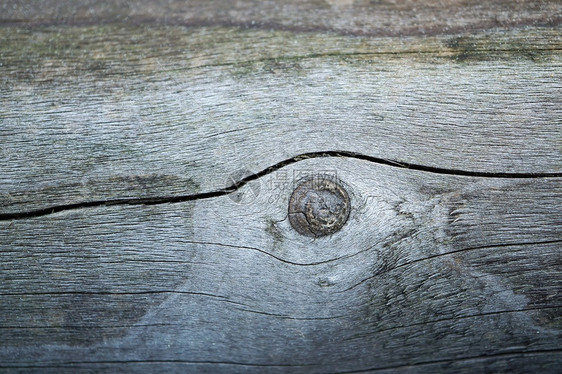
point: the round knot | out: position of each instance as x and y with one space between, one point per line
318 207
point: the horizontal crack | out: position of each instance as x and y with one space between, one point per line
39 365
333 259
65 364
456 319
284 316
236 185
112 293
457 359
435 52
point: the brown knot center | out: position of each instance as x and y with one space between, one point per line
318 207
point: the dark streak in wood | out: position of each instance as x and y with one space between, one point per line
244 181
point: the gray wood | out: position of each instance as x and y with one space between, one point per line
350 17
431 271
121 125
89 115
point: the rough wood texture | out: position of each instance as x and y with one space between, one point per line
149 151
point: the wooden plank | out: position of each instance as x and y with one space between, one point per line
431 272
342 16
86 115
149 150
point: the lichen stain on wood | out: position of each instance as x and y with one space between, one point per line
54 54
486 48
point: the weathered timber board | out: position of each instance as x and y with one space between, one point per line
115 112
349 17
429 270
121 123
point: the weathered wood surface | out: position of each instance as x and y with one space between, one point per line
127 111
121 126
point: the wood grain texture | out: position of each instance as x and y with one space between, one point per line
98 119
352 17
149 150
429 270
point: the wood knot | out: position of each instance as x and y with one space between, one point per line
318 207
